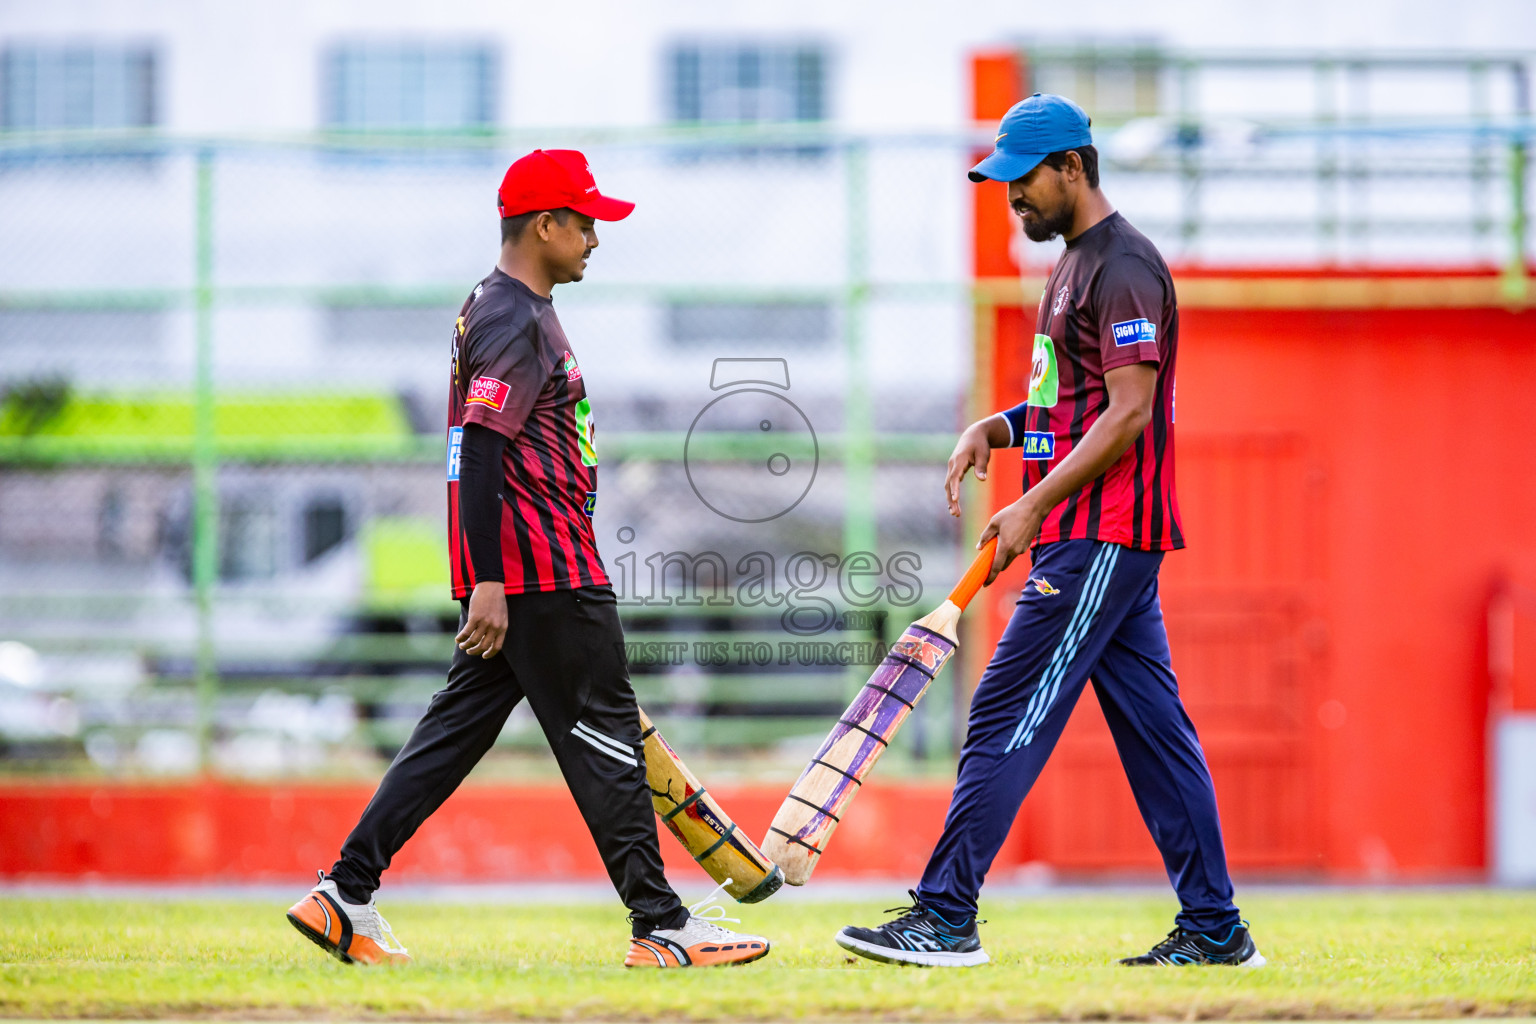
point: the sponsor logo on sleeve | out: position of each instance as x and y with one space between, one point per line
455 447
1039 444
488 391
1134 332
572 371
590 506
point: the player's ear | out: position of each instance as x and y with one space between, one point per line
541 224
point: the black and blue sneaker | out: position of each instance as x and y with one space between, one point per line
919 935
1234 949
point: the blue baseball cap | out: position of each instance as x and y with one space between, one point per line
1030 131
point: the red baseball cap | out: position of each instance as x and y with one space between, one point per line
550 179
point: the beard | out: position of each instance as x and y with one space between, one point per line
1041 228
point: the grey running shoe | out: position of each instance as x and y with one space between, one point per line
920 936
1181 947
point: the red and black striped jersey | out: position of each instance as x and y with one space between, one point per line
513 372
1109 302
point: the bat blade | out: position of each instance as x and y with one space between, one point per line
698 821
821 796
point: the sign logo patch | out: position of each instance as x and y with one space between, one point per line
488 391
455 446
1039 444
1043 585
1060 303
572 371
1134 332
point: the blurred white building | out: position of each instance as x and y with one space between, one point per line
341 239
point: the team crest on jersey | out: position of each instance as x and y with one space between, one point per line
1043 585
1060 303
572 371
488 391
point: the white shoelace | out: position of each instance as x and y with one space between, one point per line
707 914
370 913
703 909
386 939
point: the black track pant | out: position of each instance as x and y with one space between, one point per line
564 652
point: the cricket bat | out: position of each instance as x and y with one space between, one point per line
701 824
803 827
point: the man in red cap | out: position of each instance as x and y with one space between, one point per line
539 618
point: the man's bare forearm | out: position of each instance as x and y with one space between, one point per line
999 433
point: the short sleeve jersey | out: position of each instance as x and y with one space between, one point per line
513 372
1109 302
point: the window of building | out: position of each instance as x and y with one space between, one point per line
77 86
1114 84
325 526
746 83
247 538
410 86
794 324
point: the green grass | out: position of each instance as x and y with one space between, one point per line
1332 955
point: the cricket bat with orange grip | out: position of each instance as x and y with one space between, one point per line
820 798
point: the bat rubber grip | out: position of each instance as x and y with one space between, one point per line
975 576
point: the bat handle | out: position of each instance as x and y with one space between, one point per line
975 576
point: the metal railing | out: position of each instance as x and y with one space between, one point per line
249 237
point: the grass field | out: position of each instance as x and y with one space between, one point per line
1332 955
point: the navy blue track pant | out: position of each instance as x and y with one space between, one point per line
1095 613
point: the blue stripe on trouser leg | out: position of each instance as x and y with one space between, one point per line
1061 659
1080 605
1081 601
1044 658
1163 760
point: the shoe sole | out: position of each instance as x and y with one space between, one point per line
1254 960
320 940
724 963
737 963
910 958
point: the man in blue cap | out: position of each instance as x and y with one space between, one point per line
1097 513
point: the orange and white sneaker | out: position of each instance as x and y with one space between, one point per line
701 942
352 933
